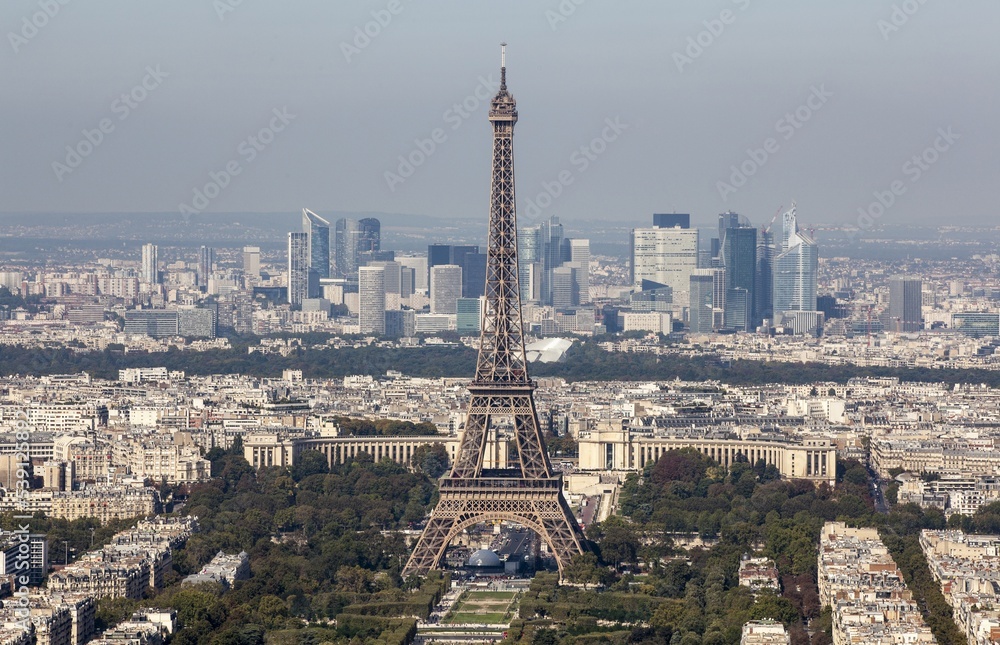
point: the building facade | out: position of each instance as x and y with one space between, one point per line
613 446
665 256
371 299
298 268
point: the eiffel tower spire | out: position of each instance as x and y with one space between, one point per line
524 491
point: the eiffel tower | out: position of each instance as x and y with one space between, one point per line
525 491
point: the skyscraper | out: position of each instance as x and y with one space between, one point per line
206 263
473 273
701 286
529 253
764 276
369 235
729 220
318 231
446 288
739 256
371 300
905 304
579 254
469 315
298 268
720 292
440 254
565 289
251 262
738 313
665 256
418 264
149 273
552 254
346 248
671 220
468 257
395 283
795 270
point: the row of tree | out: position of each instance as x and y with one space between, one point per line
585 361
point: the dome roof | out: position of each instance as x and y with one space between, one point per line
484 558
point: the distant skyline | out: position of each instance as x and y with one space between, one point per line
244 106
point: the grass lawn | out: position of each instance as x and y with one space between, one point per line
489 604
485 619
484 607
491 595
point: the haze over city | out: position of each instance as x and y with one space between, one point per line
696 88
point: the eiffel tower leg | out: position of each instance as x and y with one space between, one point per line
562 533
431 546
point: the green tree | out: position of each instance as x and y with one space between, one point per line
430 459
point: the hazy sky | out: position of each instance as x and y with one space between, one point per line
877 81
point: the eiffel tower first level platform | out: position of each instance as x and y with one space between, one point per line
523 489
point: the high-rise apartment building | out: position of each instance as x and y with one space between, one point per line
905 304
796 269
371 300
298 269
149 271
446 288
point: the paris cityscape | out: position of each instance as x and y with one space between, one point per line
299 345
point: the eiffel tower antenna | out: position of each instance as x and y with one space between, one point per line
525 491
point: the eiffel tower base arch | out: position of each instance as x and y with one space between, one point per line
533 503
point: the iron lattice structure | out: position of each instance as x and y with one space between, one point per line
525 491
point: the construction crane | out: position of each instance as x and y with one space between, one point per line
771 223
